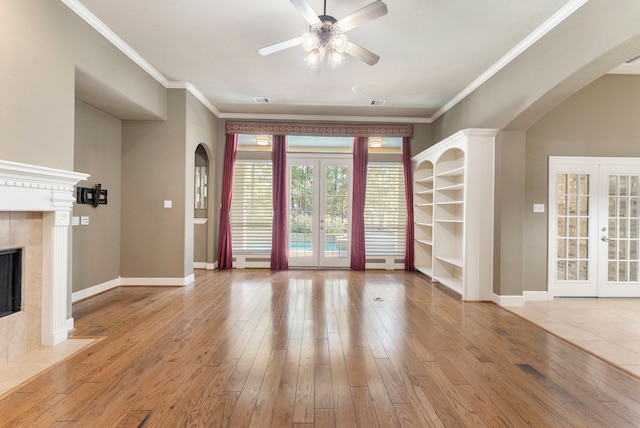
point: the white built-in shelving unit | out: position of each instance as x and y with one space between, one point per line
453 212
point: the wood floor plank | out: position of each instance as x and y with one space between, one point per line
323 390
363 407
382 405
342 397
243 411
284 409
305 386
315 348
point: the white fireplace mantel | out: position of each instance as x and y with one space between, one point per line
26 187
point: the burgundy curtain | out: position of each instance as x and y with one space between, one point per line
280 230
360 160
408 193
224 243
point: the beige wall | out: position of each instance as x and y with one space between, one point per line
38 79
508 212
202 128
599 120
590 42
96 247
422 138
44 68
596 38
153 170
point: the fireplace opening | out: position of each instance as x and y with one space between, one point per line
10 281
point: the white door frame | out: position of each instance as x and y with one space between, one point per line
318 237
590 166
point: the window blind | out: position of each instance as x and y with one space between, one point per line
251 207
385 211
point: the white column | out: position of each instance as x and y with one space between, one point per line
55 236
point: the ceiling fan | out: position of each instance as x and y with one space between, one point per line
326 36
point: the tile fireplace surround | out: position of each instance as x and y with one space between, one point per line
36 199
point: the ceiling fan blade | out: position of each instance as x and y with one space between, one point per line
267 50
307 12
361 53
371 11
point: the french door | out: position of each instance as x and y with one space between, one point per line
594 217
319 211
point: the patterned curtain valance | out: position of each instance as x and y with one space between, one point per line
310 128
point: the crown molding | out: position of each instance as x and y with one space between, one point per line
558 17
548 25
321 118
196 93
112 37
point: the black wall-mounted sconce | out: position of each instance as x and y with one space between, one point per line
94 197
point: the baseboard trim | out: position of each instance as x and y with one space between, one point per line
508 300
212 266
70 325
106 286
155 282
535 296
96 289
199 265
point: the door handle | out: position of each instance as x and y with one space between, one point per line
606 239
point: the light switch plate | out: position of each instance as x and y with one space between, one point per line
84 220
168 204
75 221
538 208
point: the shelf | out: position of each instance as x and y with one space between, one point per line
454 284
456 172
453 209
453 220
425 179
450 203
425 270
455 261
452 187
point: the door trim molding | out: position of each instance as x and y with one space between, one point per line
555 163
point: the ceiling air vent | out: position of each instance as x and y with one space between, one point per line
377 102
261 100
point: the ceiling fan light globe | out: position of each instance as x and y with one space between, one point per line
313 59
339 42
335 58
309 42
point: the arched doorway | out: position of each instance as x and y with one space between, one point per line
200 209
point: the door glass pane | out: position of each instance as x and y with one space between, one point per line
336 202
623 228
572 223
301 211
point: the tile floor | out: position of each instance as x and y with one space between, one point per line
20 370
606 327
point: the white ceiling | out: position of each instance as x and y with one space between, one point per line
432 51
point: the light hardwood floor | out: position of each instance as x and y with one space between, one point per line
314 349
